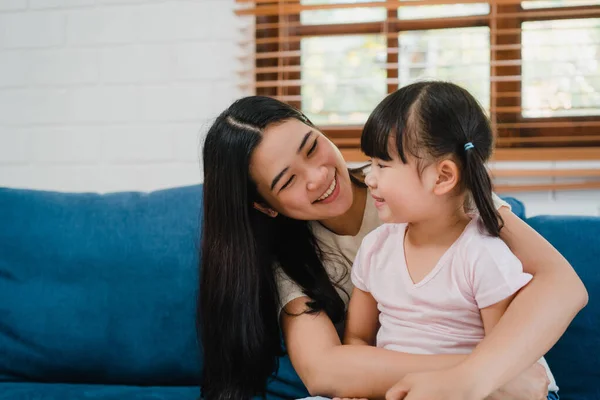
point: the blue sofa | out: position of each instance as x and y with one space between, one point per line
97 298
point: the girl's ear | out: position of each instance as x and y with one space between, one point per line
265 209
447 177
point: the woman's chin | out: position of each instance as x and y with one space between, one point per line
341 205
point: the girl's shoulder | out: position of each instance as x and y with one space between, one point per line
475 243
384 235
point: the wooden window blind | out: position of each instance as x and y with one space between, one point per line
533 65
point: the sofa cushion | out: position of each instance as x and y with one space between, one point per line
62 391
575 359
99 288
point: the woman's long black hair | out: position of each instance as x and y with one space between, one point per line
435 119
238 301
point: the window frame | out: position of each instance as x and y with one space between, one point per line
517 141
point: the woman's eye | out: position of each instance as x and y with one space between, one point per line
312 148
288 183
381 165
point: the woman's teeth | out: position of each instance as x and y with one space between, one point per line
329 191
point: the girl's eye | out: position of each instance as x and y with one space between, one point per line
288 183
376 162
312 148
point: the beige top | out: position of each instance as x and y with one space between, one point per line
337 267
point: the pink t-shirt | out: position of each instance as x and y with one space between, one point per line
440 314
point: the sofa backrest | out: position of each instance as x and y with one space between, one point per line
575 359
99 288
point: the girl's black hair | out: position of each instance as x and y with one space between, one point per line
238 301
434 120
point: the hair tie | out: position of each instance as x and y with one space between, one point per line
469 146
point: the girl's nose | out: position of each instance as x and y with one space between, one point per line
370 180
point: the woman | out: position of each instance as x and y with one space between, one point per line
283 219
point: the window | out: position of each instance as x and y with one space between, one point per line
460 55
343 78
557 3
561 71
533 65
342 15
443 11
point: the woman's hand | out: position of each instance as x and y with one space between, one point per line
348 398
457 384
437 385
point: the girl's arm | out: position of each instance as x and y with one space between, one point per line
329 369
362 319
490 316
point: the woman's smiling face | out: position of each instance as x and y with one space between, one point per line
300 173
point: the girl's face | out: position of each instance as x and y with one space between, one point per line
300 173
401 194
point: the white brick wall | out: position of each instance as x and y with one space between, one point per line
107 95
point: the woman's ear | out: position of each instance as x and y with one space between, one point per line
265 209
447 177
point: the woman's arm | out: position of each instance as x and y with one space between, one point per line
533 322
535 389
329 369
362 319
536 318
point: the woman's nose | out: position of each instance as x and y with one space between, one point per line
317 178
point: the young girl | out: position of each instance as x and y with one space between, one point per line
436 278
